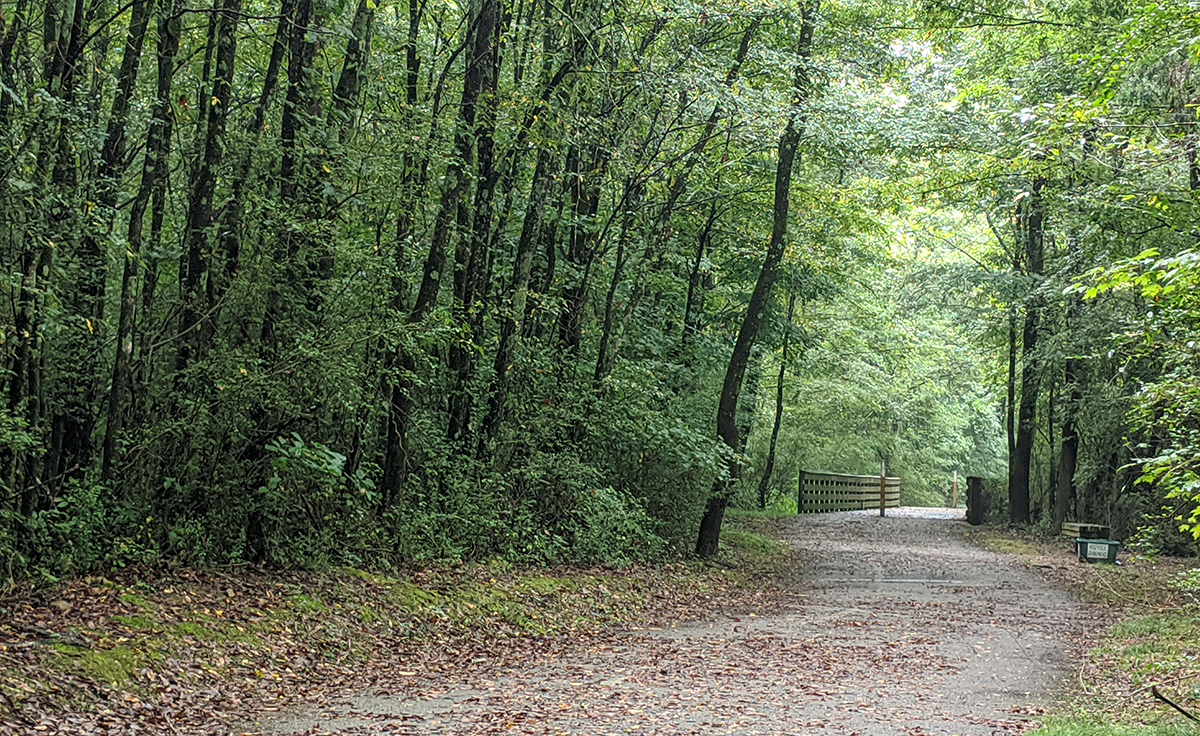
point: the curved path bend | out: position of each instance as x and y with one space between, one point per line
899 626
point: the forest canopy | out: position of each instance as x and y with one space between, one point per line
310 282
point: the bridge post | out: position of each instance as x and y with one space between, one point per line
882 488
800 495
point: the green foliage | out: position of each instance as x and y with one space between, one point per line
1158 353
336 345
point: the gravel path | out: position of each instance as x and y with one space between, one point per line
900 627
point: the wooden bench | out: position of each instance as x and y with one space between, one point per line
1077 530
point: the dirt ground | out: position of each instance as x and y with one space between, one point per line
899 626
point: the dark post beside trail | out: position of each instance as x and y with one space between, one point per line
800 495
975 507
882 488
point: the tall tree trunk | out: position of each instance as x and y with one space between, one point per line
1033 216
358 49
513 310
765 482
694 305
471 256
90 296
456 181
195 331
295 177
397 363
610 331
455 185
1069 448
157 149
231 219
1010 400
708 540
583 189
169 33
8 69
69 402
112 163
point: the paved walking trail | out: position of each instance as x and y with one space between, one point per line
900 627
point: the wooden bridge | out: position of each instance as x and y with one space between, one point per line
820 492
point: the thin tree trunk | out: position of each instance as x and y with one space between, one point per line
765 482
471 255
295 177
397 363
454 186
695 297
231 220
583 188
610 332
71 402
358 49
169 28
1069 448
112 164
709 537
157 149
450 210
513 312
8 69
90 296
194 332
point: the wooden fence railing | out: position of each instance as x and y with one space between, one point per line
820 492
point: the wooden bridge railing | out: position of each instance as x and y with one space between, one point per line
820 492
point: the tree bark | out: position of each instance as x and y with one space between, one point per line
153 165
397 363
695 296
708 540
471 256
1033 217
231 220
8 69
1068 453
1069 449
194 330
349 85
765 483
513 311
457 178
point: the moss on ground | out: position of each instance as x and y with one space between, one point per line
136 602
116 666
305 603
